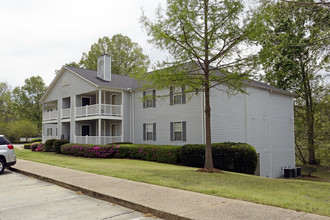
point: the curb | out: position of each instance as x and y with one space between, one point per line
107 198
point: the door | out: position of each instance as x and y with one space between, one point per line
85 130
85 101
114 102
113 130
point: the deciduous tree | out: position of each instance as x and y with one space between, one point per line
205 39
295 47
27 98
126 56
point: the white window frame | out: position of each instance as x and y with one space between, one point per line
149 125
177 131
149 100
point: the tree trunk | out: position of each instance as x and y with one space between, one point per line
208 148
307 91
310 130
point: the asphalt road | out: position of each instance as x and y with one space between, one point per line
23 197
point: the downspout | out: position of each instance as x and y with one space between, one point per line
246 117
270 135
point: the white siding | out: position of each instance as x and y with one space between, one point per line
260 118
163 114
282 135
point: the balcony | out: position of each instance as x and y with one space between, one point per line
99 110
95 139
48 116
66 113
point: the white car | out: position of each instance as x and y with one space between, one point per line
7 154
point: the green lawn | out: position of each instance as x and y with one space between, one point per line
312 197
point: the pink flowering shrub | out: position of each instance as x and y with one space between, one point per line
162 154
37 146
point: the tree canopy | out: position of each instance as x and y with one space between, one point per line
126 56
26 99
204 38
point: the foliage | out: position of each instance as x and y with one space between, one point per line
49 145
161 154
126 56
37 146
294 49
57 145
236 157
26 99
7 113
36 140
308 169
23 128
27 146
204 38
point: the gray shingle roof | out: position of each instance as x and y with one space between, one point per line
126 82
117 81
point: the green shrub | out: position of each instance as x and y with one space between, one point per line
161 154
36 140
49 145
236 157
57 145
27 146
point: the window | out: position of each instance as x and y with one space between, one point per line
49 131
178 131
177 96
149 98
149 131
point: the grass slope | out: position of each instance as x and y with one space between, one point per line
307 196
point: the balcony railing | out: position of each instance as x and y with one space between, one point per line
47 116
66 113
95 110
95 139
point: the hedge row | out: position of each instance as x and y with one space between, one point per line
236 157
161 154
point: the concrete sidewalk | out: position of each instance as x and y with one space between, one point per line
163 202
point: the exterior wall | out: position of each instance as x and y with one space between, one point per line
259 118
163 114
282 134
67 85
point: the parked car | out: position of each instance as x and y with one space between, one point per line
7 154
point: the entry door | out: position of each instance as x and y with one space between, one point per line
114 102
113 130
85 130
85 101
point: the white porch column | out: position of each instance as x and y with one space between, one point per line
73 120
59 118
123 118
100 101
99 130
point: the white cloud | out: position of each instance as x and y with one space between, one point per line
39 36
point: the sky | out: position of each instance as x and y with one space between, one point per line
39 36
